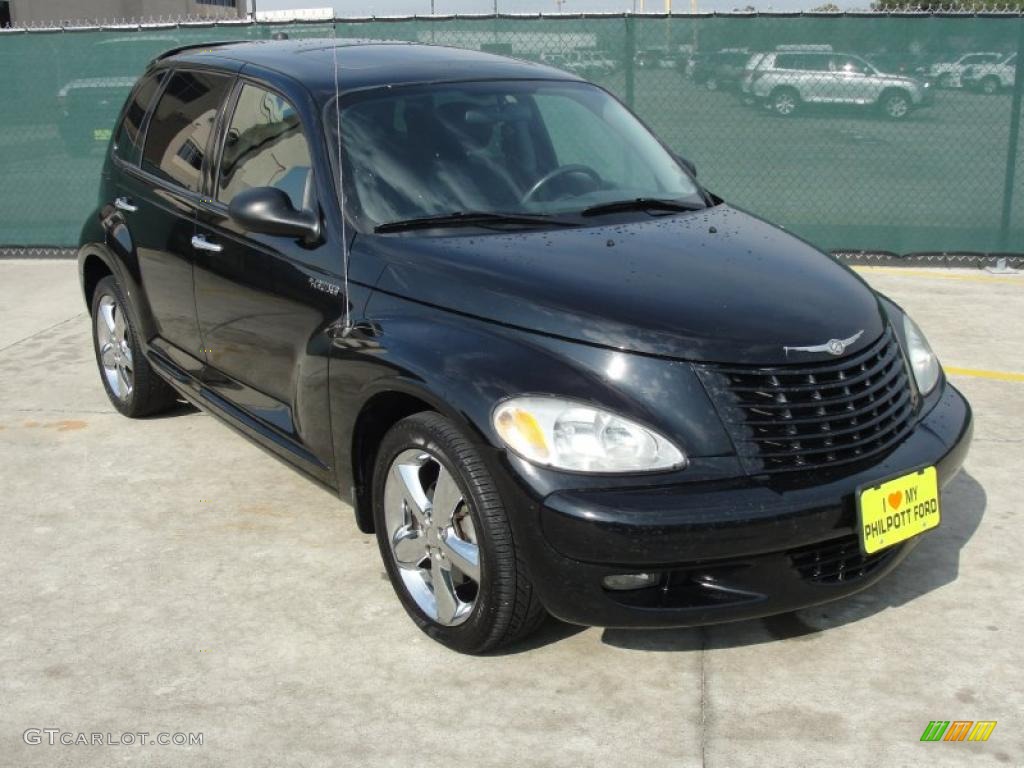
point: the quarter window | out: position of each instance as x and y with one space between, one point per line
180 129
128 142
265 147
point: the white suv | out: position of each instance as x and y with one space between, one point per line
949 74
786 81
992 78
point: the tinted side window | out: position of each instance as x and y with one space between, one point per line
265 147
181 125
128 141
802 61
850 65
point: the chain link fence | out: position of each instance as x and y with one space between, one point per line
888 133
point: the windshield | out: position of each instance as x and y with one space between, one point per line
509 147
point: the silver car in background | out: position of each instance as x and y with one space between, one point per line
787 81
948 74
992 78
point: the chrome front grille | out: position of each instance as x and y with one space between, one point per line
818 415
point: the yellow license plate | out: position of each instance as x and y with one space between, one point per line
898 509
102 134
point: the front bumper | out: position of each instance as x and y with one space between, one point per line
728 550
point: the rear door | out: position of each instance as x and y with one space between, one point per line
816 82
159 201
265 302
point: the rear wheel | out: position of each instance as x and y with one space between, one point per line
990 85
895 105
785 102
446 541
711 83
132 385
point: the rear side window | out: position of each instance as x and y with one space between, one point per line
180 128
128 141
265 147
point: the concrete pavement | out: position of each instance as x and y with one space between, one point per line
166 576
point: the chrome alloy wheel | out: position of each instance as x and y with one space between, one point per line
114 344
785 103
432 537
896 106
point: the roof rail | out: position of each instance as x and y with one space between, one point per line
192 46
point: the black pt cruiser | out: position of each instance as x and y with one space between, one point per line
479 300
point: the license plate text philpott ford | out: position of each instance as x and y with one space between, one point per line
899 509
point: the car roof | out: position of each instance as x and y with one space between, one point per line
363 64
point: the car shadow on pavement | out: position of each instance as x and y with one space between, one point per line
180 408
933 564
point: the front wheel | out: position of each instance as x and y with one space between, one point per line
895 106
446 541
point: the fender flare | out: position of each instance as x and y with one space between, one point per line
129 280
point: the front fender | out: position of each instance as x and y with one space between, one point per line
462 367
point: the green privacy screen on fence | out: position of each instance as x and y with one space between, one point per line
819 123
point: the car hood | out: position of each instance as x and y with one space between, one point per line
715 285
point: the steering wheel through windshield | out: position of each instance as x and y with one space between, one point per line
557 173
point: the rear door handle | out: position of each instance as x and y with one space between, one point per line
202 244
124 204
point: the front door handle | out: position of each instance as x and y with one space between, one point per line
202 244
124 204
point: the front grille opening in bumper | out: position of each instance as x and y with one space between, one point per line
815 416
839 561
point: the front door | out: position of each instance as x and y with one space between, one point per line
264 301
853 84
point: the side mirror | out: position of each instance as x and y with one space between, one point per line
269 211
687 164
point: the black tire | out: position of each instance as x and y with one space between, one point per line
506 607
149 394
895 105
989 85
785 102
945 80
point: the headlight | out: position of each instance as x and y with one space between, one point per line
569 435
922 360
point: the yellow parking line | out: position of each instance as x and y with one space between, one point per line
979 278
982 374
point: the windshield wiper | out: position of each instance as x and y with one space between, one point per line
641 204
471 219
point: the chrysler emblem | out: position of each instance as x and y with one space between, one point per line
832 346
